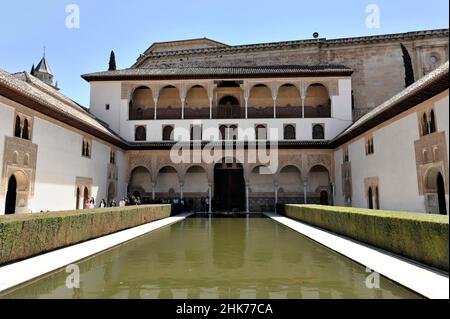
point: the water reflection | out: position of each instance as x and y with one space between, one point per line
216 258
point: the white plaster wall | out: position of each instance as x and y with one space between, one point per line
341 104
103 93
182 128
59 162
337 195
393 162
6 129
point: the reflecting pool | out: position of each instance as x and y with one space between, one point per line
217 257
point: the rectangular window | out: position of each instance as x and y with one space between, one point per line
107 107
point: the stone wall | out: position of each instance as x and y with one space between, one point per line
377 61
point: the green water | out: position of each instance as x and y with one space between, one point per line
216 258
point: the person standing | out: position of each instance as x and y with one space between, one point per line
102 203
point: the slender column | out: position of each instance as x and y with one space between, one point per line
275 109
303 107
305 185
156 106
153 190
246 106
182 108
181 190
246 197
210 108
209 198
276 192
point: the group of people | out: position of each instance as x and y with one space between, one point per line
134 200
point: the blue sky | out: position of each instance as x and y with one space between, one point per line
129 27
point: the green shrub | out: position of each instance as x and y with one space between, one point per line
421 237
23 236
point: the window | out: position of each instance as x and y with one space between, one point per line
140 133
107 107
22 127
196 133
432 122
369 145
25 130
228 132
318 132
346 158
112 157
428 123
86 148
167 133
261 132
434 59
289 132
18 128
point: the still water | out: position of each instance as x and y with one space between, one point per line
216 258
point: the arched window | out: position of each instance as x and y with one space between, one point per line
168 133
370 198
261 132
432 122
425 129
25 131
318 132
17 128
83 150
289 132
140 133
223 132
233 132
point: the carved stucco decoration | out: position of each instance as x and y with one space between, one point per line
19 158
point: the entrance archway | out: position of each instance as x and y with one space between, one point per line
441 194
370 198
229 186
11 196
85 198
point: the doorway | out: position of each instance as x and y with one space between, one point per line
441 194
229 187
11 196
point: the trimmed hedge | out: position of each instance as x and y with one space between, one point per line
23 236
421 237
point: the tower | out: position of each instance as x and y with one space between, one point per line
43 72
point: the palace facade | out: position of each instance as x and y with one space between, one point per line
332 122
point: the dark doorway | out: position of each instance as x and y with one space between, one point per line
323 198
370 195
77 205
441 195
11 195
229 107
86 198
229 187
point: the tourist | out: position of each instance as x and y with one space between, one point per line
113 203
87 203
102 204
122 202
207 204
92 203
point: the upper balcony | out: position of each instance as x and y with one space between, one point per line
230 101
